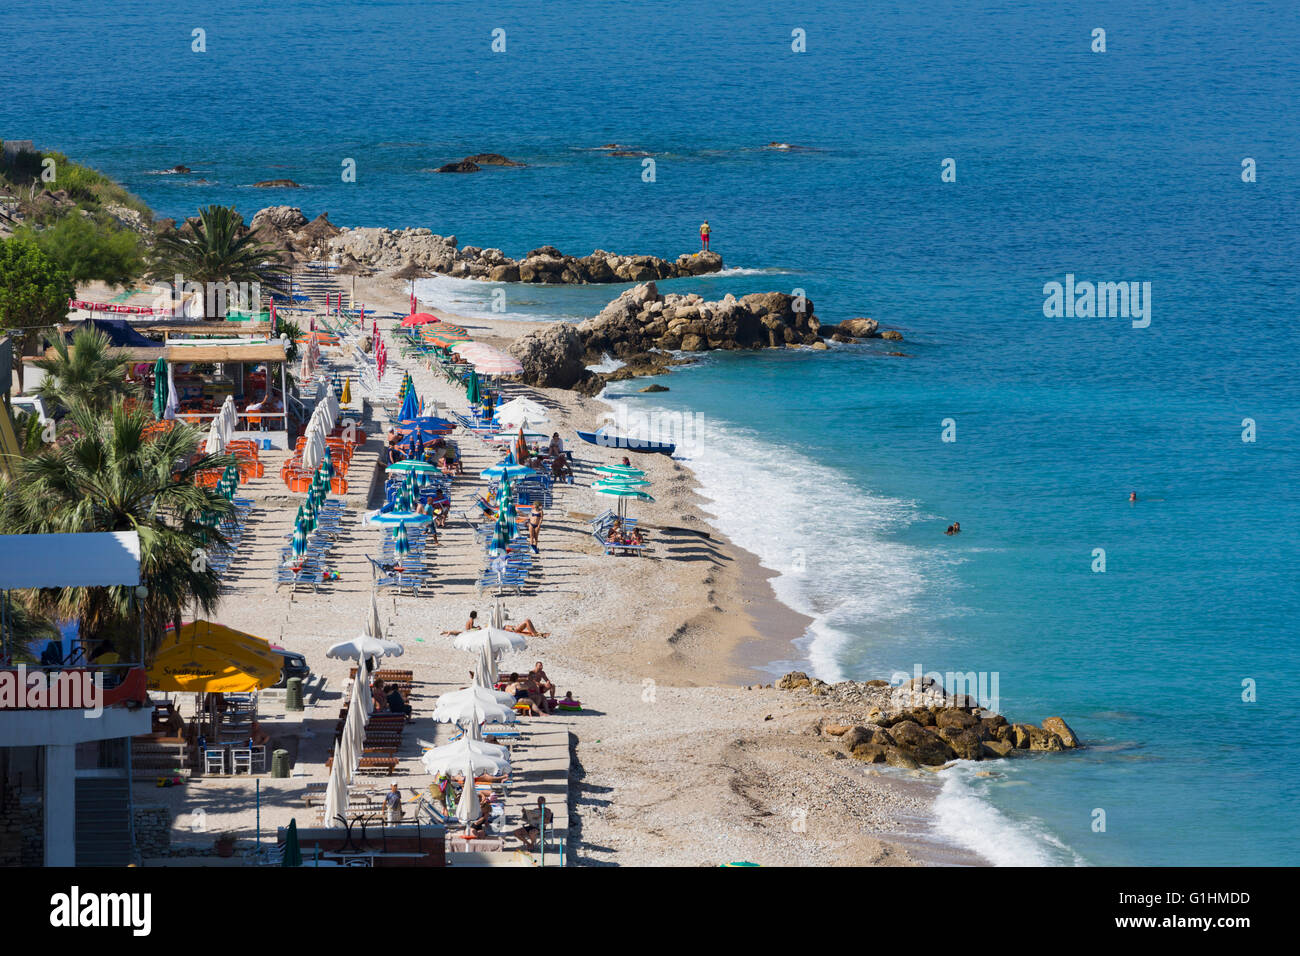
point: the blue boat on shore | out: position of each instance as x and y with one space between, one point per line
610 440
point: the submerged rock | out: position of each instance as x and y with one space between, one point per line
491 159
464 166
276 184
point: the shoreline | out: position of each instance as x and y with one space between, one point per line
668 652
744 628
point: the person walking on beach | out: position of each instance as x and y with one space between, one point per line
704 236
535 526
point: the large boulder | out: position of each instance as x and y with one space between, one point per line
859 328
551 356
927 747
1061 729
278 219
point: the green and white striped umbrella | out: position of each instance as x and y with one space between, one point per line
299 543
401 543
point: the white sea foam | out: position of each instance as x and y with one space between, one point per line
607 363
825 538
472 298
741 271
963 817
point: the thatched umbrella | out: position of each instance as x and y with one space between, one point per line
412 272
349 266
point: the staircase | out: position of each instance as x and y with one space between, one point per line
104 821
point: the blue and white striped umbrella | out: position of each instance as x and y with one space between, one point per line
401 543
299 544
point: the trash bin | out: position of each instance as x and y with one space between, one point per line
293 694
280 763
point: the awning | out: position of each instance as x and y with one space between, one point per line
99 559
216 352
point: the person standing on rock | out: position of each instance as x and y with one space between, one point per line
704 236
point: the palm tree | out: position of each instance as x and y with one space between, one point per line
110 475
23 628
87 374
211 251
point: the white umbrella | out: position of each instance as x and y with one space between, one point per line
485 674
173 403
513 418
363 646
373 627
476 704
496 639
474 755
467 810
525 406
214 445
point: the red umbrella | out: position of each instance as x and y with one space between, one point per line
419 318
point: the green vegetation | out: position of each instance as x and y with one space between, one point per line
34 295
105 474
89 251
86 374
33 175
212 250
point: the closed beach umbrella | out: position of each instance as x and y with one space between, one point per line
401 543
292 851
346 397
159 389
472 394
410 405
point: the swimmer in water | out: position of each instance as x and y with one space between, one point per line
1132 497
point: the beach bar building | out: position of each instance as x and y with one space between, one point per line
65 730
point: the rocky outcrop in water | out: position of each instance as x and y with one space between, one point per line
276 184
386 249
642 319
918 723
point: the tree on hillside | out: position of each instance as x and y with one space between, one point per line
89 251
109 474
211 250
34 294
85 374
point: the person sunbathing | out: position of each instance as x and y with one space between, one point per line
527 628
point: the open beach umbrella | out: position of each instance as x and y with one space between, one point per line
623 493
203 657
473 703
619 471
495 362
364 646
408 466
410 272
159 388
509 471
494 639
529 409
418 319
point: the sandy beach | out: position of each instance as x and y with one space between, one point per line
679 758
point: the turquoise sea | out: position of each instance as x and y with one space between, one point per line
1117 166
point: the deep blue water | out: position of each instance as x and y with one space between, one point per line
1117 166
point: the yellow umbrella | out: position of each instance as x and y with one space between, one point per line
210 658
346 397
